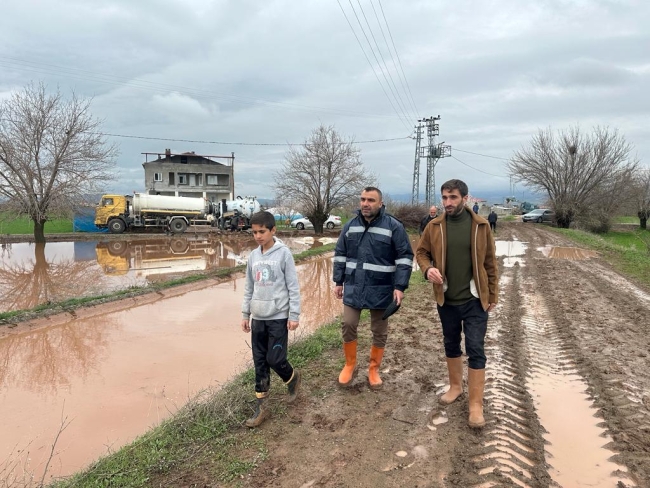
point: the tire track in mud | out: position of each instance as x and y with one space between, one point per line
605 327
510 448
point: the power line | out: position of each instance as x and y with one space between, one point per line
371 65
128 136
479 154
398 98
85 75
392 58
476 169
397 54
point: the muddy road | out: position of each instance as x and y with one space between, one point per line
567 394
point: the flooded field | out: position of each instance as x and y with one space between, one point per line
33 274
111 375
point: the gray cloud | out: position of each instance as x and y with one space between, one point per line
271 72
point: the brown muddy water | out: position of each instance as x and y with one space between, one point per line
113 375
33 274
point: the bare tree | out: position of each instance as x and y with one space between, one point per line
51 155
641 192
324 173
572 167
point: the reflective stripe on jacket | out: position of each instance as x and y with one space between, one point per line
372 260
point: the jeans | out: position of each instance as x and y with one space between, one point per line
269 342
471 319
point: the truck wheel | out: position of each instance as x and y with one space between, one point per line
117 248
178 226
179 246
116 226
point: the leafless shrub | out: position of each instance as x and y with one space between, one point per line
52 155
324 173
576 171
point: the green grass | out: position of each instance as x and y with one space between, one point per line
626 219
23 225
628 251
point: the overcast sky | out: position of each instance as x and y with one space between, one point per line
269 72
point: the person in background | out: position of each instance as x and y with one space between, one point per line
270 309
373 260
492 219
433 211
457 255
475 208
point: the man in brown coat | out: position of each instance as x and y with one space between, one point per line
457 254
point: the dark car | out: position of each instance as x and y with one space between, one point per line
539 215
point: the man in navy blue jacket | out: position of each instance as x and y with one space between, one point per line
372 267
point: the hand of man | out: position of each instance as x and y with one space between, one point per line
245 325
338 291
292 324
397 296
434 276
491 307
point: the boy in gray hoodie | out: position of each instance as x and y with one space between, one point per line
270 309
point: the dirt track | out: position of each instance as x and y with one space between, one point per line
571 319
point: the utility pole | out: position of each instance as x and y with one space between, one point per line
433 152
415 193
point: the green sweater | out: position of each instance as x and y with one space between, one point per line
458 267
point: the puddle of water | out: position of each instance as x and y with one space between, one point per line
510 250
570 253
576 443
32 274
113 375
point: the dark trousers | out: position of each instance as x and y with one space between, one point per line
471 319
493 226
269 342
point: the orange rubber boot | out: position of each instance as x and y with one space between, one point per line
349 371
376 355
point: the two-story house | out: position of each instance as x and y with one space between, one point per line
190 175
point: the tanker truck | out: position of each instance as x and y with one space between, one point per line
119 213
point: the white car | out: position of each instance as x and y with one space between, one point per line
304 223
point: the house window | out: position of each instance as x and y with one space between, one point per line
199 179
171 178
218 180
182 178
157 176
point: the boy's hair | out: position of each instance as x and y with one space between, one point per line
452 185
373 188
264 218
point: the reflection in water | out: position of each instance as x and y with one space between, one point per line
114 375
28 283
33 274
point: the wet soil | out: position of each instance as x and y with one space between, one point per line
569 337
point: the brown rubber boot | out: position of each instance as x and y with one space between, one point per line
455 369
261 412
349 371
293 386
476 385
376 355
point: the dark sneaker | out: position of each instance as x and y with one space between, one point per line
260 415
293 386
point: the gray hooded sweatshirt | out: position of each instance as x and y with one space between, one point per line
272 290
